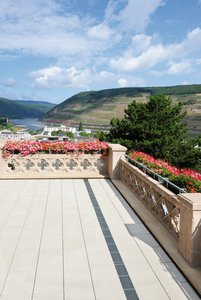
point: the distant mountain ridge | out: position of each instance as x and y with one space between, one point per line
16 109
99 107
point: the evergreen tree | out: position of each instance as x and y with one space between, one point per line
80 126
154 127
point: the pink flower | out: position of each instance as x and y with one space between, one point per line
31 147
161 167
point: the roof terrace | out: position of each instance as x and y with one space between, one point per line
65 238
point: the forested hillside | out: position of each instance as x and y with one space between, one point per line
99 107
23 108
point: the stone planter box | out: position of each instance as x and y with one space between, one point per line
62 165
54 166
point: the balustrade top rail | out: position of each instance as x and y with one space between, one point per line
168 184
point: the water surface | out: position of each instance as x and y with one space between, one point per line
28 123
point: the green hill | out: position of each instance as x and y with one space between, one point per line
99 107
15 109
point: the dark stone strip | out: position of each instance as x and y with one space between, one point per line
124 277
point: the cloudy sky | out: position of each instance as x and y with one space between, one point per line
52 49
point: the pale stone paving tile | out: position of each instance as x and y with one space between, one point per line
165 270
49 275
5 188
121 235
88 272
8 242
36 214
171 283
153 256
21 276
19 213
127 214
49 296
147 239
105 277
78 283
17 297
8 199
10 235
76 267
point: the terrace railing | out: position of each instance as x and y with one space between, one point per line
72 165
180 214
164 181
159 200
54 166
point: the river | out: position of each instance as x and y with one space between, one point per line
28 123
35 124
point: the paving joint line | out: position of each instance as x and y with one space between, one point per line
117 261
40 243
84 241
62 229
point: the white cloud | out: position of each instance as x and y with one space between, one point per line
91 52
198 61
154 54
10 82
105 74
100 32
45 28
122 82
136 15
141 42
42 28
183 67
191 43
131 15
61 77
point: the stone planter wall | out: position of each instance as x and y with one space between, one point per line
54 166
62 165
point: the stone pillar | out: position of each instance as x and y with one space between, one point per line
2 161
190 228
116 151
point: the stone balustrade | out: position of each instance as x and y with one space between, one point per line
180 214
159 200
62 165
54 166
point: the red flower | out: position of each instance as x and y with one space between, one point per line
190 179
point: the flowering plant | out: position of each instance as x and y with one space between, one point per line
184 178
24 148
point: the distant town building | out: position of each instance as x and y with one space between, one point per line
10 135
49 129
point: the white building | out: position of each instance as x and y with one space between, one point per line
10 135
48 130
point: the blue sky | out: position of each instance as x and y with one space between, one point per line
52 49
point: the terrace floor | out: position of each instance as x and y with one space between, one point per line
78 239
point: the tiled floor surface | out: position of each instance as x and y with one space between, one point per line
78 239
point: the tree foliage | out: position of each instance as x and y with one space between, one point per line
80 126
62 133
156 128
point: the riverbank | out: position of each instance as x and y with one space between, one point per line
28 123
